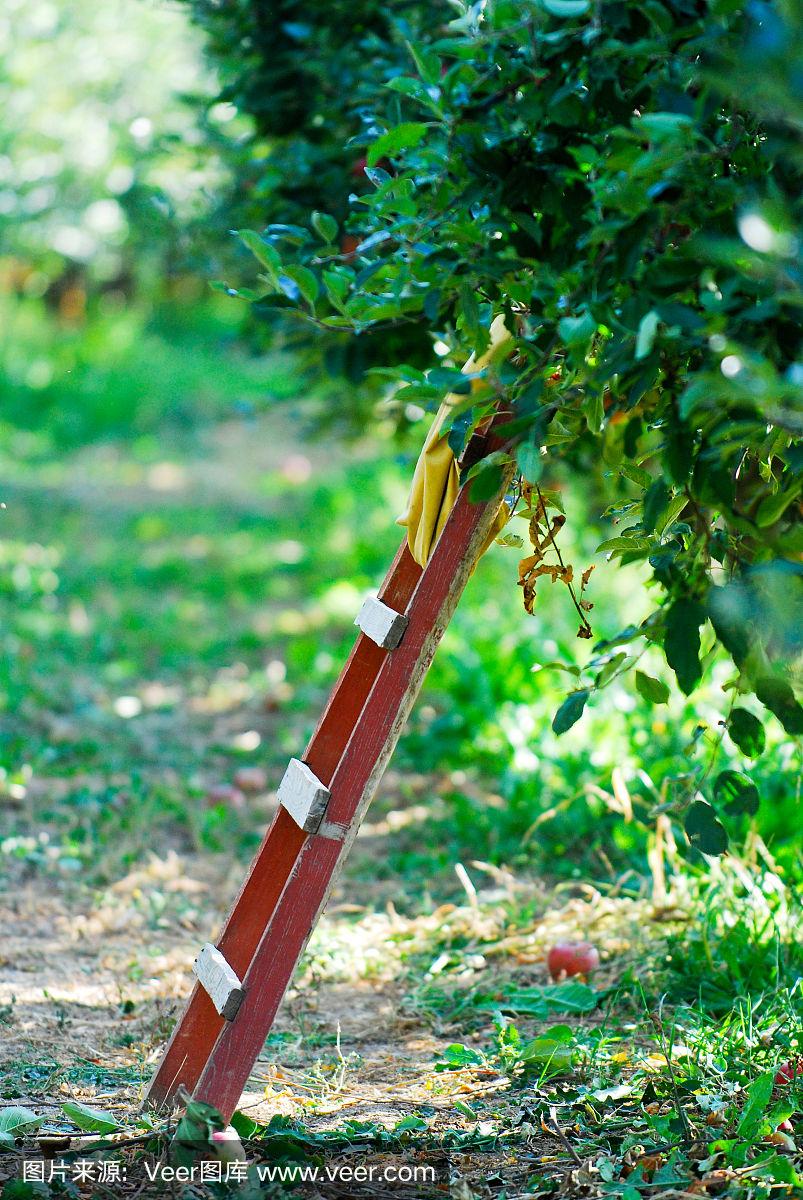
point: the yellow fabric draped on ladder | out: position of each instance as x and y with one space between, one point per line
436 479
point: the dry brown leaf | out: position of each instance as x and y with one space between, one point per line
526 565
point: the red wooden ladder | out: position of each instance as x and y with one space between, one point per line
322 800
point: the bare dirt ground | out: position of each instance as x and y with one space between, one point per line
91 982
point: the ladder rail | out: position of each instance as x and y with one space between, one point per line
199 1025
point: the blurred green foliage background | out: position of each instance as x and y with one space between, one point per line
180 563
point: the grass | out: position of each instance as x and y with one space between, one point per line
179 573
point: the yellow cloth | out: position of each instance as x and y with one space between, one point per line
436 480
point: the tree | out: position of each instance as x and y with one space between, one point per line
622 183
307 75
96 153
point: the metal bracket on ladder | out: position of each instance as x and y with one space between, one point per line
381 624
219 981
326 795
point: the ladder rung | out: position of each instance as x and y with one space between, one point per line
303 795
219 981
381 624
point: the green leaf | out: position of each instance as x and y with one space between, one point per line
459 431
777 695
497 458
704 829
594 409
637 474
91 1120
555 665
529 459
337 286
307 283
410 1124
268 255
457 1056
545 1001
295 235
470 312
570 711
780 1169
432 304
15 1121
204 1114
737 793
747 732
571 997
682 642
678 449
623 544
645 338
250 294
486 484
377 176
550 1054
427 62
725 614
566 8
629 634
609 669
416 90
772 508
325 226
673 510
244 1125
195 1128
577 331
759 1095
655 501
450 380
654 691
401 137
663 124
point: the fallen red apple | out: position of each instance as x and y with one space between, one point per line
225 794
227 1146
789 1072
251 779
572 958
